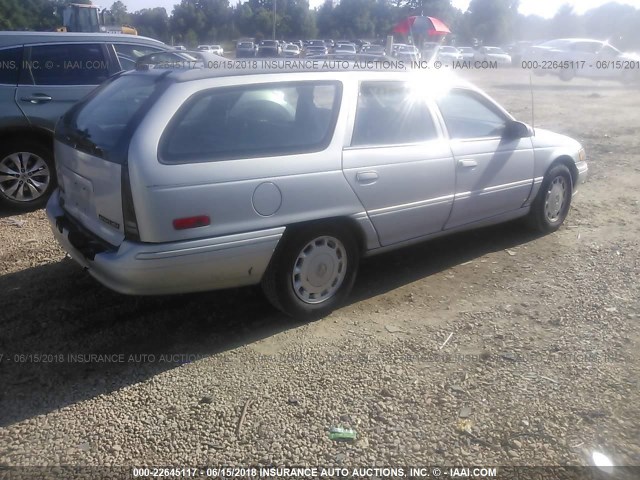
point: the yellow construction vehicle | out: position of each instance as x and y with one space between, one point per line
78 17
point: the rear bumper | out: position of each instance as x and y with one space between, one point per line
167 268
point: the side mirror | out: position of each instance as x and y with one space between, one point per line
514 129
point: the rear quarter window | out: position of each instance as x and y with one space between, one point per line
253 121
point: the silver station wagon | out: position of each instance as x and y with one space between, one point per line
183 181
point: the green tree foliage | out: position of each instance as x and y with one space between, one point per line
492 20
213 21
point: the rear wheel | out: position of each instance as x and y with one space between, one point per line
27 175
312 271
553 202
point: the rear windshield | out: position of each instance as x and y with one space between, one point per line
105 120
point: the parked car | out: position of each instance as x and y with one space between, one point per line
42 74
217 49
268 48
577 57
516 51
467 53
493 54
245 49
395 47
449 55
314 50
179 47
291 50
408 53
345 48
374 50
198 180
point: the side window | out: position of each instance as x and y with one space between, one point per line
128 54
68 64
391 113
10 59
253 121
467 115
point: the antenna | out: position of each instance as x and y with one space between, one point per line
533 118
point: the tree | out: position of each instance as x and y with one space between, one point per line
152 22
118 13
492 21
566 23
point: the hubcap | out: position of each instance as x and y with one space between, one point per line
319 270
556 198
24 176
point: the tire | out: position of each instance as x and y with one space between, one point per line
312 271
552 204
27 174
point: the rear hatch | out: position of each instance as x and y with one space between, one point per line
91 145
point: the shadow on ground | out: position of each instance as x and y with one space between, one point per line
60 311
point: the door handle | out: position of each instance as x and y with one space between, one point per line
367 178
37 98
468 163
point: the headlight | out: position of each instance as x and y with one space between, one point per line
582 155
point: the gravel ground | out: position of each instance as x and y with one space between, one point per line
494 347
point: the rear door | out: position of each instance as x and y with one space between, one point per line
58 75
398 164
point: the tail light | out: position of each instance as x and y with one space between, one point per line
128 212
191 222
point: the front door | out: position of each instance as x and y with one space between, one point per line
494 174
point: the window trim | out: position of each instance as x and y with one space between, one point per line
428 105
186 105
19 65
484 100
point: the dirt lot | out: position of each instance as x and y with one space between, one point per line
541 367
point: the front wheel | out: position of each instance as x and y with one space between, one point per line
312 271
551 206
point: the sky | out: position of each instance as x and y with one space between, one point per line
544 8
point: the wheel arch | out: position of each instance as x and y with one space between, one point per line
568 162
347 223
40 135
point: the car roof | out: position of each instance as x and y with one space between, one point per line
298 69
26 38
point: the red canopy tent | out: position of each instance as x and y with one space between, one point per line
422 25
